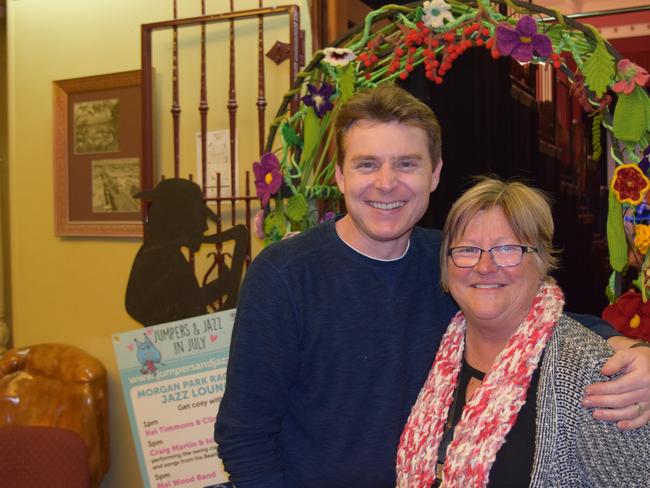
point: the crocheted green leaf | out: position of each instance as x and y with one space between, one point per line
646 104
596 123
555 35
346 82
638 281
616 240
641 282
275 223
290 136
311 134
610 290
297 207
630 116
418 14
599 69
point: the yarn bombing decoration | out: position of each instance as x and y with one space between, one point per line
630 315
268 177
523 41
631 75
395 39
629 184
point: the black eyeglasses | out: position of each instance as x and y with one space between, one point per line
503 256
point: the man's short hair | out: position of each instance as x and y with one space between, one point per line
387 103
526 209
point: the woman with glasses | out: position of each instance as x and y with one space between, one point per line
502 404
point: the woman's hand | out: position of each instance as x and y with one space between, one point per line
625 400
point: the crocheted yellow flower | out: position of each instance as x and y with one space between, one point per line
642 238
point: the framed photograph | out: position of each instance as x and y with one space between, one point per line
98 155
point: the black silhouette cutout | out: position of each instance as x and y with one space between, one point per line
162 286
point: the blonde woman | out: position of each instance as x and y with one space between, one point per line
502 405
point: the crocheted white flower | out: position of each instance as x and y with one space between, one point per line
435 12
337 56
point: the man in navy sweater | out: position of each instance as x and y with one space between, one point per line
336 328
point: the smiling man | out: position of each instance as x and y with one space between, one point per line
386 186
336 328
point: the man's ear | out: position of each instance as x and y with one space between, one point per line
436 175
339 178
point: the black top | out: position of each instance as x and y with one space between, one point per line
514 462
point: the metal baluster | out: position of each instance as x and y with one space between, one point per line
176 109
247 202
219 246
232 108
203 109
261 99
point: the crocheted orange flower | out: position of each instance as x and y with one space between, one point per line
629 184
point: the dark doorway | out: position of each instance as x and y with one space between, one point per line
492 123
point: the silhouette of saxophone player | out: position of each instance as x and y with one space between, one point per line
163 286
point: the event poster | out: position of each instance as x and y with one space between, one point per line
217 161
173 377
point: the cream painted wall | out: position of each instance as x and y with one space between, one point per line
72 290
575 6
4 184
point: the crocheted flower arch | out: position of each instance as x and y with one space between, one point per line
396 39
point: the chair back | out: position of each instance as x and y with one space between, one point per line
40 456
62 386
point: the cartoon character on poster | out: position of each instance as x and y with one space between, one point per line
148 355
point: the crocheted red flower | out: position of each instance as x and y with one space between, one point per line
631 75
629 315
629 184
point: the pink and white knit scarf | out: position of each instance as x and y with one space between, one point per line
488 416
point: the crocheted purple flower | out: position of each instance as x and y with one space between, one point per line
319 98
268 177
327 216
523 41
258 224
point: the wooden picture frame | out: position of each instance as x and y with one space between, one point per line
98 155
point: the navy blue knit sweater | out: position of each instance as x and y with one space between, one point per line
328 354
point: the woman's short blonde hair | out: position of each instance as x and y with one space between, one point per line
527 211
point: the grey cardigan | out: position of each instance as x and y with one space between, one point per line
572 449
